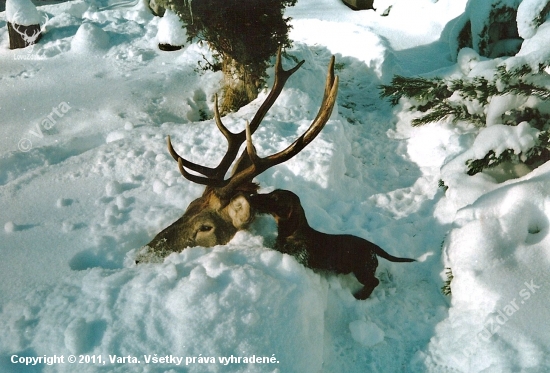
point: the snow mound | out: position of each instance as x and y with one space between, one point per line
89 38
496 138
366 332
10 227
236 300
499 256
171 30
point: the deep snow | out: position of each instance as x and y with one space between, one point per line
85 181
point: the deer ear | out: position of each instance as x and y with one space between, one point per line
239 211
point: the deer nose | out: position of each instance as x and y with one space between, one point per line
189 242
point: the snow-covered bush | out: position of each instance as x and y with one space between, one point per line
505 98
531 14
496 28
491 92
488 27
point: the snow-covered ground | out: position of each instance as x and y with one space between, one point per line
86 180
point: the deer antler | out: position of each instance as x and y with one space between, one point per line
259 165
214 177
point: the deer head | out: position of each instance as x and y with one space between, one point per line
223 209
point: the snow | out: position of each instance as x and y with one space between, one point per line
479 12
500 137
366 333
497 138
214 302
534 51
484 20
499 252
86 181
499 105
171 29
9 227
89 38
22 12
528 17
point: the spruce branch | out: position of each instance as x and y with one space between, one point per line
489 161
526 89
441 98
538 154
445 109
541 18
421 89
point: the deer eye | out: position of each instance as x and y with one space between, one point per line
205 228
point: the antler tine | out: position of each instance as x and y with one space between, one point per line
223 129
234 141
281 76
329 82
259 165
250 149
199 179
206 171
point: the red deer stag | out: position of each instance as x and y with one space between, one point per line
223 209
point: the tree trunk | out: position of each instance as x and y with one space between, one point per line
240 86
155 8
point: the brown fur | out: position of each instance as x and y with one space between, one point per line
208 221
337 253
